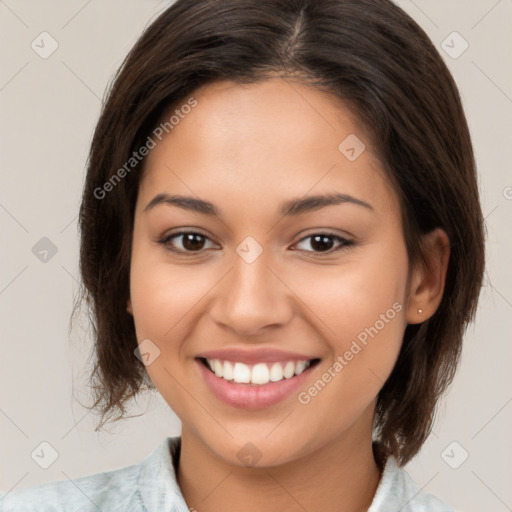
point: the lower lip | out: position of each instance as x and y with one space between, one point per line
247 396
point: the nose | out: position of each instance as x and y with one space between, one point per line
252 298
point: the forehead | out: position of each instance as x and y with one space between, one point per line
262 143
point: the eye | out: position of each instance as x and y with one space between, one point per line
190 242
323 242
193 242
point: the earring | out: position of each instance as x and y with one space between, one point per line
420 311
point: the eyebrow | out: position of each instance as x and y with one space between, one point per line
291 207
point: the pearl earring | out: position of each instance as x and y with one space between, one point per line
420 311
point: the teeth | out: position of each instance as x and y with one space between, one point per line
259 374
218 368
228 372
301 366
276 372
241 373
289 369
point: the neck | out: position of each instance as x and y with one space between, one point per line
341 475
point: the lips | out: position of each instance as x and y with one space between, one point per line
250 396
254 379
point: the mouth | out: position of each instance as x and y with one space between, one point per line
259 374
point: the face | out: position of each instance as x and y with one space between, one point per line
264 280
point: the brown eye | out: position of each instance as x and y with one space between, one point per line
192 241
187 241
324 242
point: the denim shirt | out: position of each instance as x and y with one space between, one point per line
151 486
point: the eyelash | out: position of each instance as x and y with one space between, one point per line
344 243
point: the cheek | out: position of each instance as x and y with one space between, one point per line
163 300
352 296
361 308
162 296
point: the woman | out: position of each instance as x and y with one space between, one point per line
280 232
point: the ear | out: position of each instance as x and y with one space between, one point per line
129 306
426 284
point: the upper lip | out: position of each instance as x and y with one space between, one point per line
252 356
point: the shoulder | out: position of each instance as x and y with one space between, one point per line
398 491
111 490
117 490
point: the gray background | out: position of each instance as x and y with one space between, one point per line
48 110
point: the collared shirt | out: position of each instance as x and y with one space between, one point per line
151 486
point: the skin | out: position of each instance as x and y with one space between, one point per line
247 149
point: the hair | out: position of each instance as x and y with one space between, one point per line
381 64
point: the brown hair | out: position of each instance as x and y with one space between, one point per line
375 58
